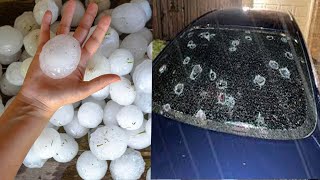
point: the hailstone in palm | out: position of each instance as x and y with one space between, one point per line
90 167
7 88
78 13
13 74
144 101
101 103
25 66
31 41
108 142
128 18
68 150
10 40
109 43
26 23
33 160
102 4
145 5
42 6
110 112
122 92
90 115
60 56
142 76
74 128
63 115
130 117
129 166
5 60
47 144
136 44
121 62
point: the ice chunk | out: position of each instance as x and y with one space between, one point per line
121 62
186 60
122 92
178 89
10 40
78 13
285 73
212 75
68 150
142 76
222 84
259 80
196 71
42 6
136 44
74 128
89 167
130 117
47 144
201 115
90 115
26 23
110 112
191 45
274 65
144 101
166 107
13 74
63 115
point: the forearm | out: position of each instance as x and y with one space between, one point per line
20 125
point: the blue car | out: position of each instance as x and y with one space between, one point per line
235 97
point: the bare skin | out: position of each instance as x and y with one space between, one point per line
40 96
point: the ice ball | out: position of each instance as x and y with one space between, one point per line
139 139
121 62
31 41
108 142
89 167
129 166
7 88
68 150
47 144
101 103
109 43
74 128
42 6
130 117
90 115
110 112
144 101
26 23
63 115
146 33
128 18
33 160
122 92
60 56
136 44
142 76
10 40
98 65
5 60
13 74
101 94
25 66
144 4
78 13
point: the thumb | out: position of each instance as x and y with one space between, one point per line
98 83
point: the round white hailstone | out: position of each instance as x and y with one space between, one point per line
101 94
68 150
54 26
136 44
89 167
149 51
90 115
102 4
148 176
13 74
106 12
121 62
33 160
129 166
60 56
122 92
1 108
149 127
144 101
63 115
50 125
146 33
76 104
25 55
108 142
5 60
58 2
98 65
7 88
25 66
130 117
128 18
47 144
26 23
31 41
101 103
93 130
42 6
139 139
74 129
110 112
78 13
142 76
10 40
109 43
144 4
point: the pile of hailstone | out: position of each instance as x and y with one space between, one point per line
117 118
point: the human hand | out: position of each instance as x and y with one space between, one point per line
49 94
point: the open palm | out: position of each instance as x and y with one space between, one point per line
49 94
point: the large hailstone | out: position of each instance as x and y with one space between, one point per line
33 160
42 6
13 74
78 13
47 144
146 33
144 101
5 60
89 167
130 117
31 41
108 142
63 115
25 66
122 92
145 5
101 103
139 139
90 115
60 56
109 43
101 94
7 88
110 112
68 150
129 166
74 128
128 18
136 44
142 76
121 62
10 40
26 23
102 4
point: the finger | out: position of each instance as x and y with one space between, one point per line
96 84
68 11
86 22
45 29
94 41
